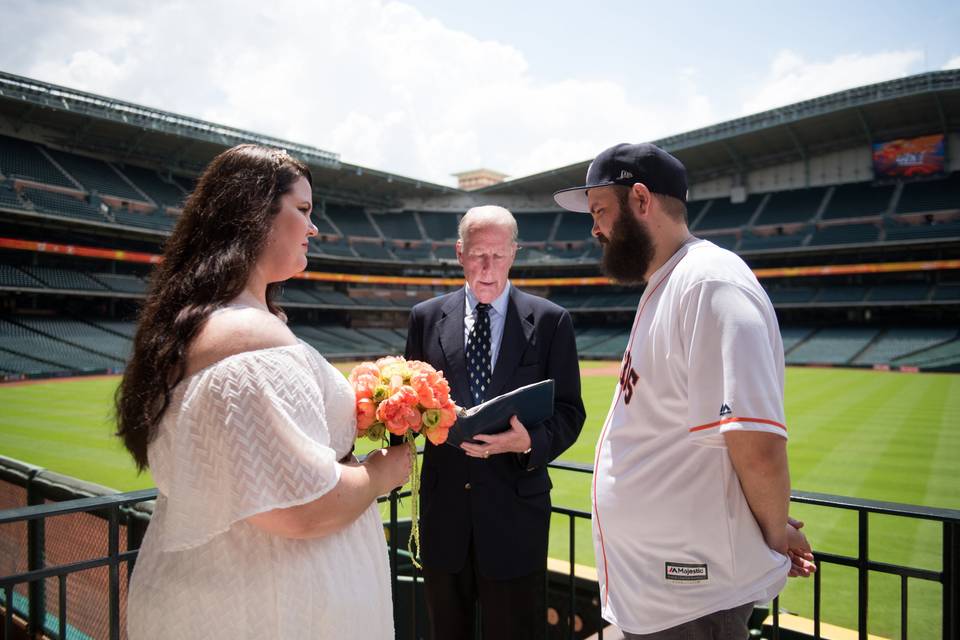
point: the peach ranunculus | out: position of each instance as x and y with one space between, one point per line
366 413
399 411
364 371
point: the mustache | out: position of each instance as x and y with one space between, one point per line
602 239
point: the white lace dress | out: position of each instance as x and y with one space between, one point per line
254 432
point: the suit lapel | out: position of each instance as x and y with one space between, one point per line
517 331
450 330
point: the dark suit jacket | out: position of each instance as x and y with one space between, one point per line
502 502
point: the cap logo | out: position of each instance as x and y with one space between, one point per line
625 175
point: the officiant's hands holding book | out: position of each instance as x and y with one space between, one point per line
516 439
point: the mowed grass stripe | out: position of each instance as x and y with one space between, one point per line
875 435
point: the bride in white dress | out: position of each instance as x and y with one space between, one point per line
265 526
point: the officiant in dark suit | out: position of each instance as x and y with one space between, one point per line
485 508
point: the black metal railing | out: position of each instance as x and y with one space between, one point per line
117 509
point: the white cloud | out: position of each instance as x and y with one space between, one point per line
952 63
374 80
791 78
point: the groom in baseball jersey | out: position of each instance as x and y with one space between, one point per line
691 485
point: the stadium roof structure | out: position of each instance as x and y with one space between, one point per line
128 132
919 104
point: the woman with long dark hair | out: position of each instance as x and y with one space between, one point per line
265 525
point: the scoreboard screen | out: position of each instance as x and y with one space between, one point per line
909 157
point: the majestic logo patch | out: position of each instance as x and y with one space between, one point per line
725 410
685 572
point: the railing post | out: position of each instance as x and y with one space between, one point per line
113 545
35 560
394 535
951 580
863 573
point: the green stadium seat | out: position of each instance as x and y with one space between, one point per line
846 234
352 221
400 225
832 345
63 205
439 225
931 195
96 175
858 200
786 207
725 214
23 159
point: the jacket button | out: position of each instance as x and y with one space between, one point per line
467 486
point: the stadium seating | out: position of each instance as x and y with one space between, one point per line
786 207
296 295
791 295
82 334
445 252
66 279
565 253
946 291
116 326
22 159
574 227
8 197
925 231
725 214
11 276
535 227
96 175
858 200
832 345
351 221
120 282
17 363
942 355
156 219
332 248
725 240
439 225
792 336
842 293
398 225
413 252
899 293
322 223
898 343
932 195
752 242
26 342
372 251
63 205
846 234
162 192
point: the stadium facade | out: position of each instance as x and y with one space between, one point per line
862 266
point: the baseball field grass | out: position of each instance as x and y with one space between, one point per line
874 435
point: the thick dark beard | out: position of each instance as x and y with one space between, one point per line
628 251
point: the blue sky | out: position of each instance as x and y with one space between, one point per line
428 87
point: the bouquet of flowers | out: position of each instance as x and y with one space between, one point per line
403 397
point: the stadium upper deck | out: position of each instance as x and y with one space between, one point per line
89 176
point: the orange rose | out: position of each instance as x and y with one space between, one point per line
366 413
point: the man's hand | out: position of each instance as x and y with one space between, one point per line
516 439
798 550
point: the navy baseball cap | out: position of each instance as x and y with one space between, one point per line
628 164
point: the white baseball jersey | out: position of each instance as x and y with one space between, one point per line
674 536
